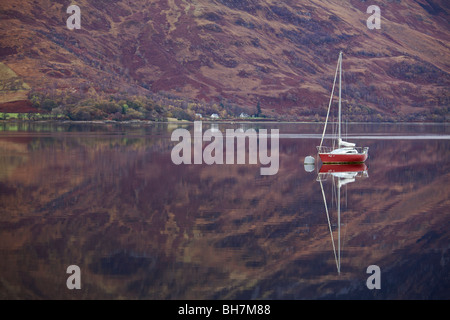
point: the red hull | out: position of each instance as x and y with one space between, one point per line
342 158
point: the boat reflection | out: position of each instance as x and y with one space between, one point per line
340 175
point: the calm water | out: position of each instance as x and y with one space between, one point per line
109 199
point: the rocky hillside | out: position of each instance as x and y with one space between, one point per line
229 52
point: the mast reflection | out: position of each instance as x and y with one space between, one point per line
340 175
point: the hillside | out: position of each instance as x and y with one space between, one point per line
227 53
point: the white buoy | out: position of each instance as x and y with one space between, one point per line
309 160
309 163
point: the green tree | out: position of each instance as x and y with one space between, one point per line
258 109
49 104
125 108
35 101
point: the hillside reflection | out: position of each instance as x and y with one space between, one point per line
140 227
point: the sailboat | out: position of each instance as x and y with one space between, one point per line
341 174
343 151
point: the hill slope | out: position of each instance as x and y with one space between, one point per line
282 54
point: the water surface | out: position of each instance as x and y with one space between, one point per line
109 199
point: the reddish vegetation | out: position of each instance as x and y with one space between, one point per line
22 106
282 55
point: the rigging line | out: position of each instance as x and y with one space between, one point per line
329 105
329 225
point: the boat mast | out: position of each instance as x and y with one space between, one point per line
340 93
329 105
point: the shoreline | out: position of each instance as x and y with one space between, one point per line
149 122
